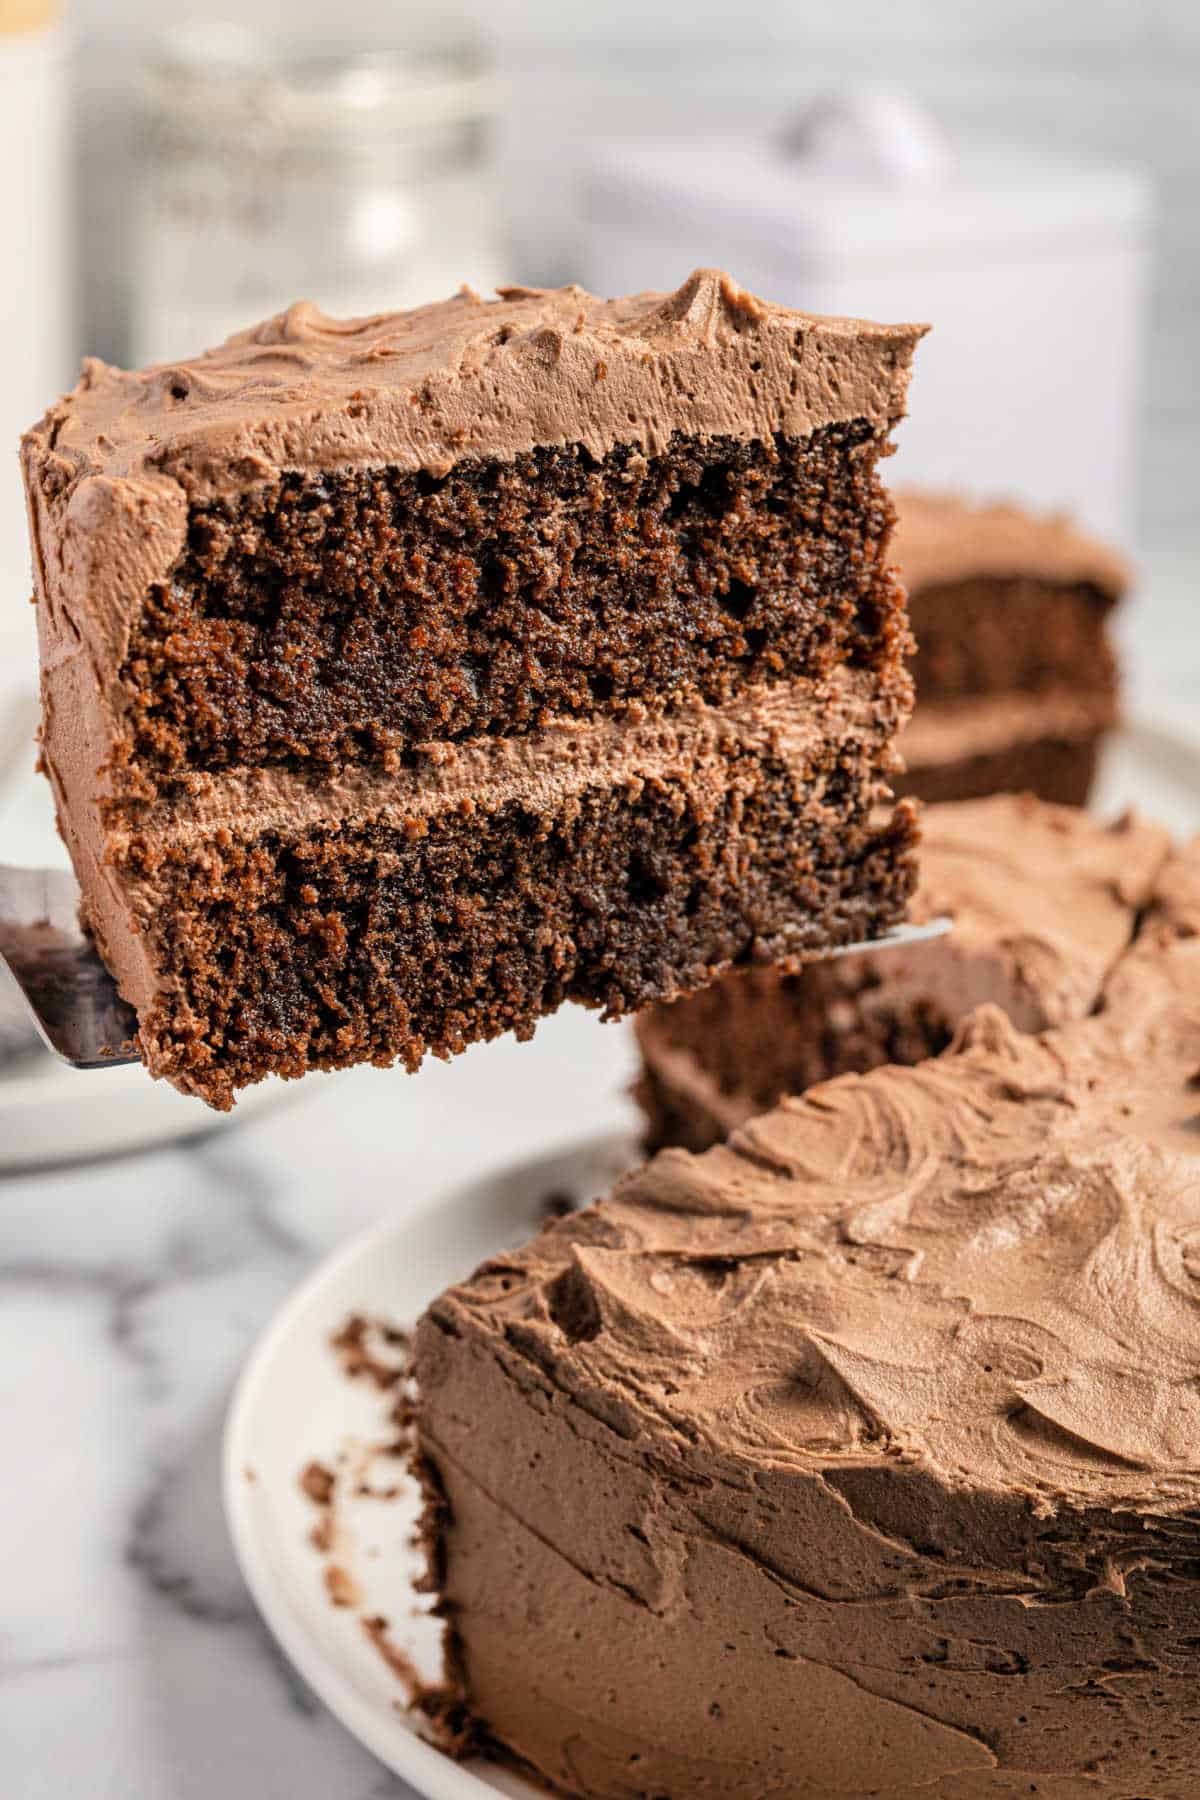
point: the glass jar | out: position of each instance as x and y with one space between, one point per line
359 179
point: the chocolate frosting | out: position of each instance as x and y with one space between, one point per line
943 538
862 1453
943 732
879 1239
1044 901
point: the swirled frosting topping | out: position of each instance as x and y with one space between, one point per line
468 377
119 462
987 1266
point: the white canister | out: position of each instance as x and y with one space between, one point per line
1031 268
37 299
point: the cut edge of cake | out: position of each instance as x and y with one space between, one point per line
1043 901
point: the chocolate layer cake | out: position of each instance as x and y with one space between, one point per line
405 677
1043 899
860 1456
1016 678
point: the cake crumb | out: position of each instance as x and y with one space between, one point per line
317 1482
451 1728
352 1345
341 1586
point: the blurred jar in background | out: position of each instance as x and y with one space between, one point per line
357 178
37 300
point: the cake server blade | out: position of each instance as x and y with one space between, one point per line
71 995
74 1000
895 939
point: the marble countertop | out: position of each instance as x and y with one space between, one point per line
132 1663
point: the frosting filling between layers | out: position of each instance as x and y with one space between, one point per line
542 770
947 731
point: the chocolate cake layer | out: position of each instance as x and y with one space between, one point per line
1061 770
311 923
291 593
860 1456
996 635
1016 676
1043 901
347 616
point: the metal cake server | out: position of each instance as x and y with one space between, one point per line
74 1000
71 995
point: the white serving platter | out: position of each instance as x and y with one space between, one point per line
295 1404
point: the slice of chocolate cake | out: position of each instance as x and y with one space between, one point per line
406 677
1043 901
1016 677
860 1456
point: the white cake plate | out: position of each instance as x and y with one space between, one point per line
295 1404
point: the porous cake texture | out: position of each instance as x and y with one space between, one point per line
1042 901
1015 671
404 677
859 1456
